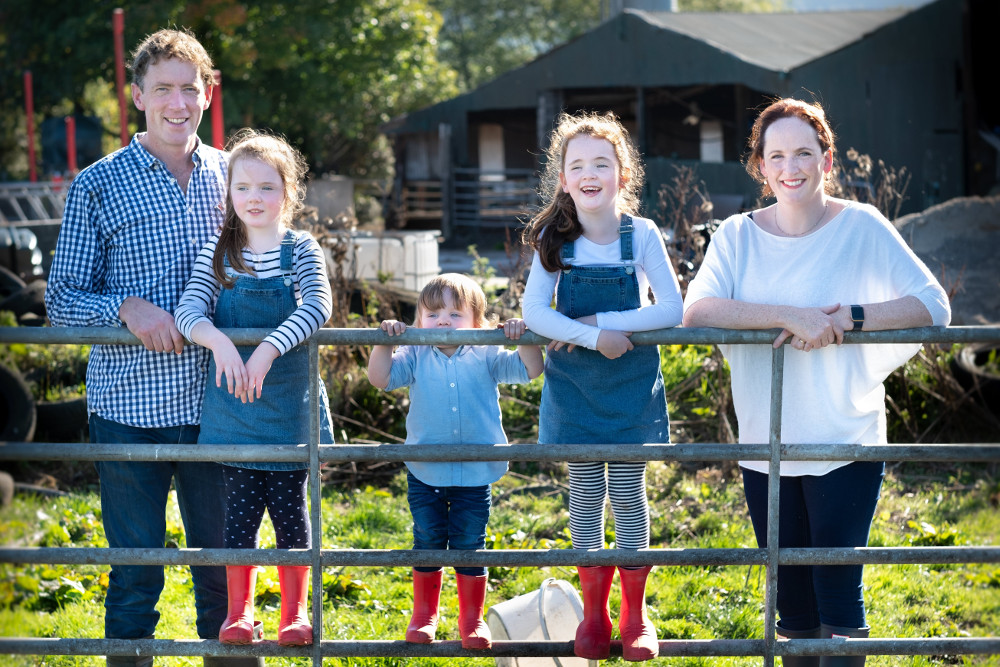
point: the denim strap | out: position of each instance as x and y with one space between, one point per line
287 246
625 232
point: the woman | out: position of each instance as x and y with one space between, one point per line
813 266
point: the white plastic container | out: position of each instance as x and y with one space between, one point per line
552 613
407 260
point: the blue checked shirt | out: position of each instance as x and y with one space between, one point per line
129 230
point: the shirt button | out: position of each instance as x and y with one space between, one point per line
452 384
454 409
455 431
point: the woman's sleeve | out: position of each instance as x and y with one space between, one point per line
667 310
314 290
200 293
539 316
912 278
715 275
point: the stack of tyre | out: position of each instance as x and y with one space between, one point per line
22 291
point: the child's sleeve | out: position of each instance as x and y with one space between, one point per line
403 369
197 303
506 366
542 319
314 290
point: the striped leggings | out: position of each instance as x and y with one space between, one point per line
590 485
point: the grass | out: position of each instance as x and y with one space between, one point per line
691 508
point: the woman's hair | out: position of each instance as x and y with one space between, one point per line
465 292
787 108
557 221
277 153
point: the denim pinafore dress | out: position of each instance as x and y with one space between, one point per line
588 398
281 414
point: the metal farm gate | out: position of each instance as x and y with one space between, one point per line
317 557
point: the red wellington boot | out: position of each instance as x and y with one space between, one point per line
426 596
593 635
294 628
471 600
638 634
238 628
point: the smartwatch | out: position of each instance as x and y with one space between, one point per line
858 317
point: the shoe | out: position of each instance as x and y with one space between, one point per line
836 632
798 660
294 628
238 628
471 600
426 597
593 635
638 633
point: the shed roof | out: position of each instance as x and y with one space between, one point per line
667 49
777 41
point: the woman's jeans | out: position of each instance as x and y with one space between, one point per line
133 508
831 510
449 517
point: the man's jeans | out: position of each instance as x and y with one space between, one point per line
449 517
133 506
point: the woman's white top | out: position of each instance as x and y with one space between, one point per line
832 395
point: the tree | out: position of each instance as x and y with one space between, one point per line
324 74
482 40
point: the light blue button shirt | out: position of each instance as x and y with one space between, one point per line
454 400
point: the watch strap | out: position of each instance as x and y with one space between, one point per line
858 316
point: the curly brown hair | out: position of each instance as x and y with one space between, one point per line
812 114
557 221
274 151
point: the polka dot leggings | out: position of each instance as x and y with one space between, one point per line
281 492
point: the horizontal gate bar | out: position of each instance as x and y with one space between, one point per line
499 557
26 451
414 336
501 648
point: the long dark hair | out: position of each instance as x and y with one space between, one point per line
557 221
291 166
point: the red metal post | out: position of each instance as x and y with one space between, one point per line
218 131
70 146
29 111
118 25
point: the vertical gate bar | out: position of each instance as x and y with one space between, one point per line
314 502
773 486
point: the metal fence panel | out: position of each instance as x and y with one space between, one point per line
774 451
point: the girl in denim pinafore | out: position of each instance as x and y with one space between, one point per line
257 273
598 262
281 416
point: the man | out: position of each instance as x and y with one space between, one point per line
132 226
